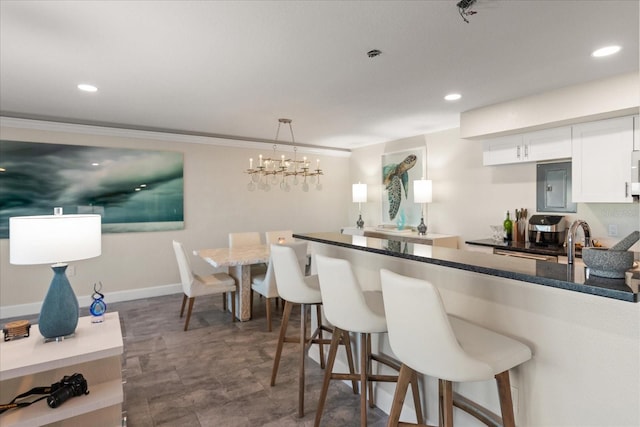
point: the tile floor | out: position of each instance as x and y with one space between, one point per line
217 373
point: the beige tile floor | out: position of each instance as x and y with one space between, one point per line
217 373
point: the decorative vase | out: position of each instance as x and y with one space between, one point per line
59 312
401 220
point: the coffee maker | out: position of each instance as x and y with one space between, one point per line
547 230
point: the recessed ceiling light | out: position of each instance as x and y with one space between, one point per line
605 51
453 97
87 88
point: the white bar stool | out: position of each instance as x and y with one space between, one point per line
428 340
295 288
350 309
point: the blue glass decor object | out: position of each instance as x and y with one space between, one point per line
401 220
59 314
98 306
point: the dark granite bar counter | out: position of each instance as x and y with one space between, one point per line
562 276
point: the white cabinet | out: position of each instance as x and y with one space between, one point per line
601 170
95 352
549 144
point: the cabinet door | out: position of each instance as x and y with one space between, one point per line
601 160
502 151
550 144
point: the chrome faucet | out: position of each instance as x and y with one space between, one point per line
571 236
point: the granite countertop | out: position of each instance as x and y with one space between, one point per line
526 247
570 277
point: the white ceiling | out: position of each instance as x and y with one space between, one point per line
234 67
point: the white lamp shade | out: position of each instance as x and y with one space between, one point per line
422 191
48 239
359 193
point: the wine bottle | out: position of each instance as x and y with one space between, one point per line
508 228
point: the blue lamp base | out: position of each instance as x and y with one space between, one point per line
59 312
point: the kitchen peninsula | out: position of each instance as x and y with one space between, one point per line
585 333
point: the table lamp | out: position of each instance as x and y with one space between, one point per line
422 193
359 194
55 239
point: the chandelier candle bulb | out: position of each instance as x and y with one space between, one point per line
250 163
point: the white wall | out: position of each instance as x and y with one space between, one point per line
469 197
216 202
600 99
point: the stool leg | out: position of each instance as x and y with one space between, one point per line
346 340
446 403
415 391
331 358
370 371
283 333
303 340
321 346
506 405
404 377
364 365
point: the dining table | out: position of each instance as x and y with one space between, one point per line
239 261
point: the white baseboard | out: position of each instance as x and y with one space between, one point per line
9 311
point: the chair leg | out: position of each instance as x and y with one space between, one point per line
233 307
506 405
331 358
446 403
186 323
224 301
283 333
267 302
303 341
405 375
184 301
251 302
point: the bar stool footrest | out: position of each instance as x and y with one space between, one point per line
480 412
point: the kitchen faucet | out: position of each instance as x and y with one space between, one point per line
571 236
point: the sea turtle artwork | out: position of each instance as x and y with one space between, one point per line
395 177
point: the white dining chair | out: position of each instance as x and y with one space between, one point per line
250 238
429 341
265 285
194 285
274 236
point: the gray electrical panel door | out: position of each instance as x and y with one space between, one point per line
553 188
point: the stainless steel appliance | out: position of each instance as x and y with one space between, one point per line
547 230
526 255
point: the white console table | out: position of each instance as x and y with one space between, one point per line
433 239
95 352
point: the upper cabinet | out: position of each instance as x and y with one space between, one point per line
549 144
601 170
